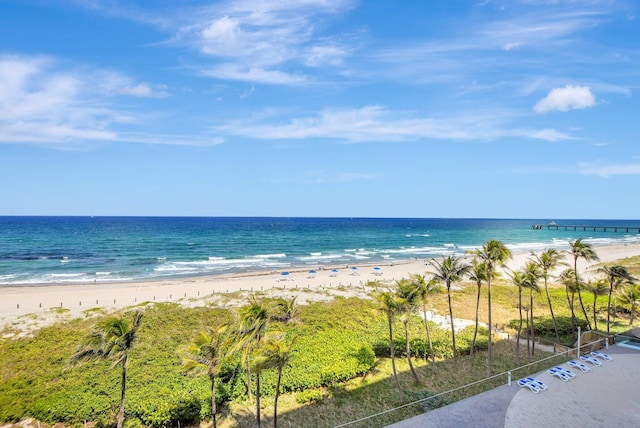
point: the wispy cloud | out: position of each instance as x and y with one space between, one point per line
564 99
376 123
610 170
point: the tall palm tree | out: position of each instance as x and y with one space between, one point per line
252 326
532 274
407 301
275 353
630 294
617 275
598 287
449 270
204 355
548 260
493 253
477 273
113 339
568 279
519 279
582 250
424 290
389 306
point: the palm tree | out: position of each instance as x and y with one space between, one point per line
449 270
617 275
630 294
548 260
204 355
519 279
286 310
598 287
532 274
492 253
113 338
568 279
581 250
275 353
252 326
389 305
478 273
407 301
424 290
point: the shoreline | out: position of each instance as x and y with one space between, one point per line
41 305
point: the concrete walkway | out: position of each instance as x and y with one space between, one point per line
608 395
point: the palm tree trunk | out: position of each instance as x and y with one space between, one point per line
574 320
258 397
519 325
553 317
275 401
633 313
533 331
426 326
249 394
489 351
595 318
408 352
393 355
213 401
453 330
123 389
609 308
584 310
475 332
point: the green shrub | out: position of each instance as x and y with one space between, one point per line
309 396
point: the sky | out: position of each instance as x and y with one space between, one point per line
320 108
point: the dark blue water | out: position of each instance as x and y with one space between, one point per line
106 249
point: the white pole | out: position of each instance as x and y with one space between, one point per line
509 378
578 342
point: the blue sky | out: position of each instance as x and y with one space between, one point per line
507 109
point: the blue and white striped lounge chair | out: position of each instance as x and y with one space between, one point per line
601 355
559 373
591 360
538 383
567 372
525 383
578 365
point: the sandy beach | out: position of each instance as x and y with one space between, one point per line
27 307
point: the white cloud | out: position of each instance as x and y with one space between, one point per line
564 99
145 90
611 170
375 123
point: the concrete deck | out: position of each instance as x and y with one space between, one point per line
608 395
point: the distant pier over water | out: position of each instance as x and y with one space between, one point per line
595 228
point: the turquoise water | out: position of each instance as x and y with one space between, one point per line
44 250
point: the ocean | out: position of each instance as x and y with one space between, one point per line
68 250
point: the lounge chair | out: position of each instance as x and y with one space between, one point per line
591 360
566 372
578 365
601 355
525 383
559 373
536 382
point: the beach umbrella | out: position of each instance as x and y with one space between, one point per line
354 270
284 273
312 271
334 270
376 268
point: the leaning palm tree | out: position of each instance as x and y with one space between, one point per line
252 326
581 250
388 304
598 287
275 353
493 253
204 355
568 279
407 302
478 273
113 339
617 275
519 280
449 270
424 290
630 294
548 260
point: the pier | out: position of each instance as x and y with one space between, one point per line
594 228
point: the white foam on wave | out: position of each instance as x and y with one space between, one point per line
320 257
103 273
270 256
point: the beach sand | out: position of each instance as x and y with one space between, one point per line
25 308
